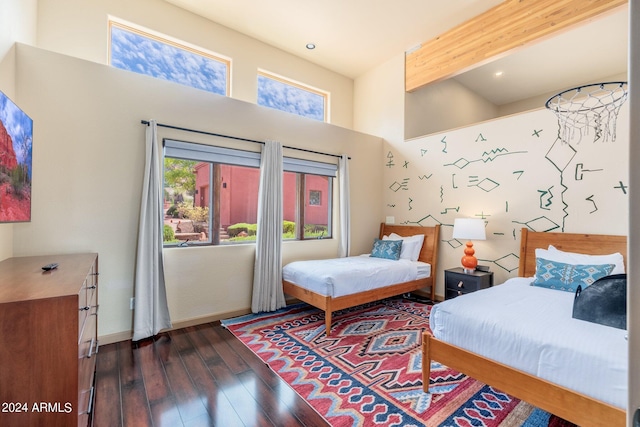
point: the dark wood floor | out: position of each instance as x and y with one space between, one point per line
198 376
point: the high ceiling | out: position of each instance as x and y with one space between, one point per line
354 36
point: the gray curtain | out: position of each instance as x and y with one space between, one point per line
151 311
267 276
344 243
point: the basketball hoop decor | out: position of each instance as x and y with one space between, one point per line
593 106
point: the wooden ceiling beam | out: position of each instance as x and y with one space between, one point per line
497 32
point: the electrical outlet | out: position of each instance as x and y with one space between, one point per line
132 302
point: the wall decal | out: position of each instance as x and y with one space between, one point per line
446 210
542 223
509 262
487 156
397 186
390 160
487 185
540 183
595 207
622 187
546 198
580 170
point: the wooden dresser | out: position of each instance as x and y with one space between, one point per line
48 340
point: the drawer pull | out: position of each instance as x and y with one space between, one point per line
459 293
461 284
90 403
94 341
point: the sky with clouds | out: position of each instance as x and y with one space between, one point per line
134 52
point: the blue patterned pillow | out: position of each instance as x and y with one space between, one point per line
389 249
567 277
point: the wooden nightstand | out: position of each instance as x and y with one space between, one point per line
457 282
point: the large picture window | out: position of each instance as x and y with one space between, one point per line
141 51
211 196
287 95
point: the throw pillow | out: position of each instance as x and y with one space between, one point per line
388 249
567 277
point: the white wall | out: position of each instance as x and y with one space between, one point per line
79 28
512 172
17 24
444 105
452 191
88 157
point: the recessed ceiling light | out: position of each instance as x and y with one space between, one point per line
311 46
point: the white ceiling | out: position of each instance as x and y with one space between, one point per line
354 36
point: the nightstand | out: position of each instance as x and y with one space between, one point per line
457 282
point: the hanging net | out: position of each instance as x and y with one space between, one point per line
594 106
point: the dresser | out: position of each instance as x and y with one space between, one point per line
457 282
48 340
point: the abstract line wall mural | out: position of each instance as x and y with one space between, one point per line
512 172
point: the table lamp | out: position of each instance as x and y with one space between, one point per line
469 229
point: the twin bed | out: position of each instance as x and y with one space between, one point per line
518 338
336 284
522 339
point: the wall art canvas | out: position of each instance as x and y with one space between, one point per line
16 143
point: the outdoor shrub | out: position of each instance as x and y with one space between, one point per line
288 227
173 211
167 233
235 229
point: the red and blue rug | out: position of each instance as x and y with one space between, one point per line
368 372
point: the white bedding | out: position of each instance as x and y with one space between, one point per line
531 328
345 276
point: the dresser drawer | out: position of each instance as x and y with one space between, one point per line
457 282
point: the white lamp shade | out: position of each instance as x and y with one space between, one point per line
469 229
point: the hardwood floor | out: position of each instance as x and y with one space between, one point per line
197 376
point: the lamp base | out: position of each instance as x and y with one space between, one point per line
468 270
469 262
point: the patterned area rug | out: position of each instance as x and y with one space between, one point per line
368 372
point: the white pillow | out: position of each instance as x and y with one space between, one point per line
411 245
555 254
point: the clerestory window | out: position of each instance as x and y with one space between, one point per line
286 95
142 51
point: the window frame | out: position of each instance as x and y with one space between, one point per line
170 41
298 85
215 156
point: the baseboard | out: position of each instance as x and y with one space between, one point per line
127 335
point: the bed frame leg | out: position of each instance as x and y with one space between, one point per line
426 362
327 321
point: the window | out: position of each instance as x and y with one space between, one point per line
286 95
302 179
211 195
143 52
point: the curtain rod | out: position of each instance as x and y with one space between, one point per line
146 122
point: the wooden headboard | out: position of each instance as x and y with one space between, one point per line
591 244
429 251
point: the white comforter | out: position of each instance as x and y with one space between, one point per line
345 276
531 329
